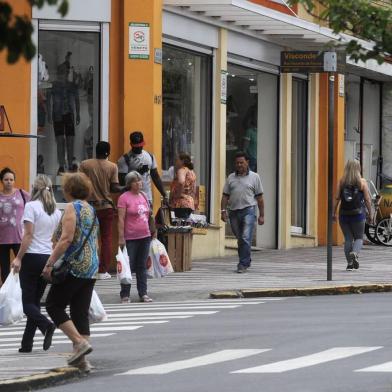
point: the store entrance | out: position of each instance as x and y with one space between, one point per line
251 126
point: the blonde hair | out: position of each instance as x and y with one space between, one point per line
42 191
352 173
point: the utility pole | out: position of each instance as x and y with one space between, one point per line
331 120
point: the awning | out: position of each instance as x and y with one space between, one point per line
288 31
265 23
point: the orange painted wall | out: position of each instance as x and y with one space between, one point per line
323 161
143 81
323 157
15 96
116 82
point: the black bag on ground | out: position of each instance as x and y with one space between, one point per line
351 198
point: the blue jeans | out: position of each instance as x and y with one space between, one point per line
242 224
138 254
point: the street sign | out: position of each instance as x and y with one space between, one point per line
308 62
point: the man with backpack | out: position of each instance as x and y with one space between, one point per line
144 163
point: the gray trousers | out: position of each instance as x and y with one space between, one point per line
353 236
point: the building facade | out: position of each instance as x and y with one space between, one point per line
201 77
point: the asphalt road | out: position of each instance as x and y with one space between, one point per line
313 344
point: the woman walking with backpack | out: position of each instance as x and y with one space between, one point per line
355 205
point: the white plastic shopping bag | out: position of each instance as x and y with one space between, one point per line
161 265
11 307
124 274
96 312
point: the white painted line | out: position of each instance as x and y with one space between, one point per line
178 306
132 328
131 309
132 322
206 302
40 339
163 314
111 318
209 359
309 360
382 368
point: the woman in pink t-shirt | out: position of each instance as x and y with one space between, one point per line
133 232
12 203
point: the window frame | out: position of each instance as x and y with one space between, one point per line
302 230
103 97
208 106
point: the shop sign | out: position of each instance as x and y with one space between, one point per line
158 55
308 61
341 85
223 93
139 41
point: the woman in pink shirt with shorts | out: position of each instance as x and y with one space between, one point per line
134 232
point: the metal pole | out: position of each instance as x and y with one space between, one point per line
331 120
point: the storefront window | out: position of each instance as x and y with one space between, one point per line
187 115
299 138
241 115
68 101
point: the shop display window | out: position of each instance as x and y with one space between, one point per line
241 115
67 101
299 157
187 116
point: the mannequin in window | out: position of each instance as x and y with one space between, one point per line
88 138
65 112
250 137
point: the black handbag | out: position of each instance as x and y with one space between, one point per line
62 267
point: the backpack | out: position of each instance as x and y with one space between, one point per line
139 170
351 198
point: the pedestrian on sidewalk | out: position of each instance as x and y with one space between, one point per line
242 192
144 163
12 204
40 219
76 239
134 232
103 175
183 186
353 197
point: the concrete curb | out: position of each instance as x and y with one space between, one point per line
305 291
42 380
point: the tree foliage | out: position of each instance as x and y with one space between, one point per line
16 30
364 19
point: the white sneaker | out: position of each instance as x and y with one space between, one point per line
103 276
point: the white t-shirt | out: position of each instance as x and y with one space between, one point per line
44 227
142 163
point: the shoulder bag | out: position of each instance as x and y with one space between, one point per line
62 267
151 220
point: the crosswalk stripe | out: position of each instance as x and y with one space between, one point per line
209 359
40 339
110 318
382 368
170 308
130 315
308 360
120 328
179 306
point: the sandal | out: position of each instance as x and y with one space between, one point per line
145 298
